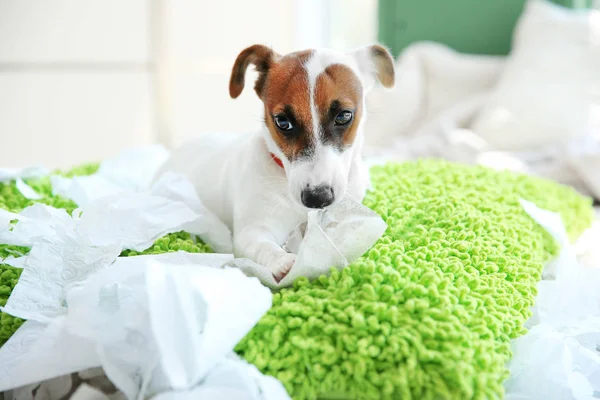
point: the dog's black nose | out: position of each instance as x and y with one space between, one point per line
317 197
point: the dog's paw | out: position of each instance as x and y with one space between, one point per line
281 266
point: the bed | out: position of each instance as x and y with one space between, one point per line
484 284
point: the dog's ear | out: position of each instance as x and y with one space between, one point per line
375 63
258 55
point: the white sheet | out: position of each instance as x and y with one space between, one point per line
438 94
559 358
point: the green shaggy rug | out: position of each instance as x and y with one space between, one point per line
427 313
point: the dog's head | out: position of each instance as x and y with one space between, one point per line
314 104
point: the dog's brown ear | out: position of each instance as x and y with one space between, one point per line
376 62
384 65
258 55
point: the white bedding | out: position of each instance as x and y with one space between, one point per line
535 111
173 322
569 338
559 358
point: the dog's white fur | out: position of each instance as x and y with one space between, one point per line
236 178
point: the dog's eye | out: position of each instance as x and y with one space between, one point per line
343 117
283 123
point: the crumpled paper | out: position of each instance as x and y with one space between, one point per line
133 220
136 297
18 174
11 174
118 186
26 190
155 324
131 170
206 225
58 259
232 379
559 357
333 237
66 249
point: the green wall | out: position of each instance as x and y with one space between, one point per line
470 26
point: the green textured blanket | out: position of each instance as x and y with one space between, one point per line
427 313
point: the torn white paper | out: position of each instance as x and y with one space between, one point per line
206 225
36 223
15 351
49 271
52 353
83 189
10 174
135 220
558 359
232 379
26 190
333 237
122 185
211 313
131 170
132 221
59 258
173 318
159 339
5 218
65 250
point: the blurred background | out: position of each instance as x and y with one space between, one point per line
508 83
82 79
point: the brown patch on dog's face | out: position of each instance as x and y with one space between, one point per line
286 96
338 94
301 118
313 107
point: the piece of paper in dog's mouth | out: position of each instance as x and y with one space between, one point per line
334 237
292 245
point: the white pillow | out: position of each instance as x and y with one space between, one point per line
550 82
432 80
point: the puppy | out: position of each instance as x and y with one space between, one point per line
307 155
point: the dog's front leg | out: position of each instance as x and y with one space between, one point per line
258 244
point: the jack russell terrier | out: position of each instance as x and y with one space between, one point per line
307 156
